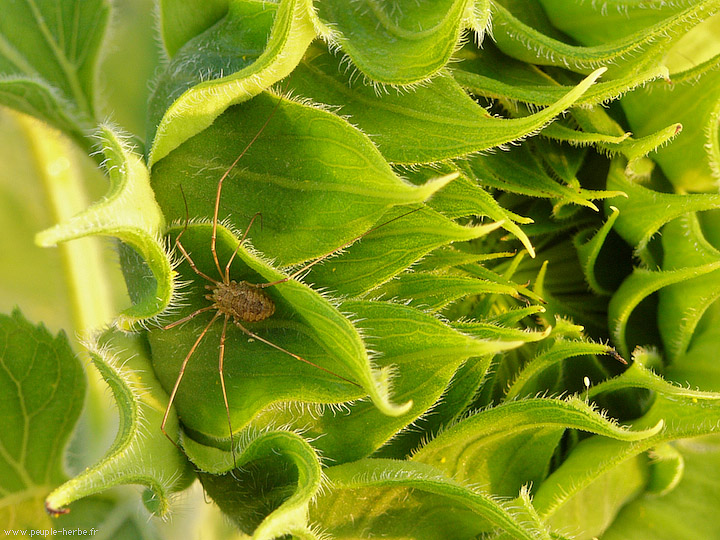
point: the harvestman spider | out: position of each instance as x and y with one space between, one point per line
242 302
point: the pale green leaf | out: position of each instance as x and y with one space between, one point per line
629 54
588 244
48 61
681 305
391 249
526 384
691 162
128 212
141 453
485 71
521 170
431 292
606 474
638 286
43 388
655 518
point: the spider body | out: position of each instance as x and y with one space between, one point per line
243 301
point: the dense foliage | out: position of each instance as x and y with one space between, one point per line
528 354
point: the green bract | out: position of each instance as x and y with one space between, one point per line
489 240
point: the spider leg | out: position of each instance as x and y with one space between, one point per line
180 376
279 348
247 229
221 368
186 319
225 175
182 248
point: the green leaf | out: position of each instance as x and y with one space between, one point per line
497 330
631 53
424 353
128 212
182 21
510 445
681 305
268 495
488 72
255 45
427 124
393 45
690 163
592 23
364 492
666 469
431 292
463 197
605 474
43 387
521 170
687 163
457 398
609 141
644 211
526 384
559 282
48 61
638 286
655 518
446 257
588 244
601 485
140 454
311 198
697 368
390 250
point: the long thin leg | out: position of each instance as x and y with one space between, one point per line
221 369
323 257
181 247
247 230
225 175
186 319
259 338
191 262
180 376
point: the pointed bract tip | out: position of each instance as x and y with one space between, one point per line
55 512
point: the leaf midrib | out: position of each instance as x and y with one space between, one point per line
68 68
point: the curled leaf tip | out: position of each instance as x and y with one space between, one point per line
53 511
46 238
597 73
